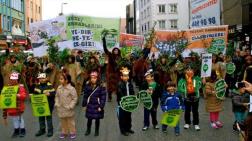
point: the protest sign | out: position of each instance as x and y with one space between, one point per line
171 118
230 67
130 43
206 66
220 88
146 99
129 103
9 97
40 106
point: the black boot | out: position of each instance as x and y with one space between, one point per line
50 133
22 132
96 132
88 132
40 132
110 97
15 133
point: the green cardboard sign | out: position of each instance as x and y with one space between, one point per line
146 99
220 88
9 97
40 106
171 118
129 103
230 67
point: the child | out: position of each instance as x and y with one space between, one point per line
45 87
65 102
94 101
155 90
213 104
240 102
124 88
189 86
171 100
16 113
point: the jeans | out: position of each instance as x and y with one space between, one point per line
42 124
176 129
153 113
18 121
240 116
191 107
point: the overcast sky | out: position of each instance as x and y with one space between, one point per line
98 8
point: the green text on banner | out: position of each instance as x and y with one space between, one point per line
9 97
129 103
171 118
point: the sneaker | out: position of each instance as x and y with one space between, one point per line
40 133
186 126
125 133
15 133
72 136
164 130
177 134
219 124
145 128
156 127
131 131
197 128
62 136
213 125
49 134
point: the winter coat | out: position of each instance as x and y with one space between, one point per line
122 90
170 102
238 100
213 104
155 95
65 101
94 99
43 89
20 103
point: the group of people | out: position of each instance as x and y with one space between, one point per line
173 83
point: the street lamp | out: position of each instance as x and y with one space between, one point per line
62 4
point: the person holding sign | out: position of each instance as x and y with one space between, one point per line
171 100
213 104
189 86
16 113
65 102
124 88
155 90
45 87
94 100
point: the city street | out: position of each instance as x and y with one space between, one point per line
109 130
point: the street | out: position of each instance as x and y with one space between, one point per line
109 130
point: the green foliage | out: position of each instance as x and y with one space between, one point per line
53 51
63 55
230 49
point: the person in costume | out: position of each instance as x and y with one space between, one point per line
16 114
94 100
45 87
189 87
112 72
155 90
213 105
124 88
171 100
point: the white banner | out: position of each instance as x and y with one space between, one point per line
204 13
206 66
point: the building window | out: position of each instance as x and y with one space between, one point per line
8 23
31 20
161 24
141 15
148 11
144 2
144 13
174 24
39 9
173 8
161 8
17 5
141 3
250 12
28 20
31 6
148 26
142 28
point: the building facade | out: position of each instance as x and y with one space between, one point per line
167 14
131 18
33 12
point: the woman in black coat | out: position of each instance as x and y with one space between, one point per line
93 102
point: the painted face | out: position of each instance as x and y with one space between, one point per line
116 51
13 82
189 73
149 78
43 80
93 79
163 60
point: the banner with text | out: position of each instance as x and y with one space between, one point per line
204 13
130 43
